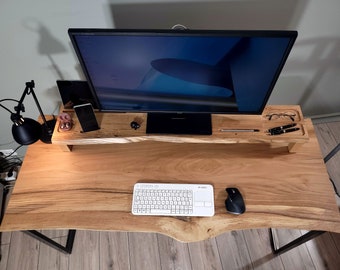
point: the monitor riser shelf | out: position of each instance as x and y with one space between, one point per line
115 128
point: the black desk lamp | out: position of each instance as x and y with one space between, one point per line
26 130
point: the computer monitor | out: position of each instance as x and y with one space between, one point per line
181 77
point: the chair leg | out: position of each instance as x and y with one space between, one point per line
293 244
48 241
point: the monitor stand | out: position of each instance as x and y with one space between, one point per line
179 123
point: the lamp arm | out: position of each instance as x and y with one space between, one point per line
29 90
39 108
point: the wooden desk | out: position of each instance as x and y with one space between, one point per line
91 187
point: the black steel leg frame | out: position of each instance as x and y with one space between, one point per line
307 236
67 249
293 244
48 241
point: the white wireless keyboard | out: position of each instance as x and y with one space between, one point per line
158 199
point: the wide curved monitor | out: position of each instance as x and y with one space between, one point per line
182 71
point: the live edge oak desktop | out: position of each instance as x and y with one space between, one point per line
91 186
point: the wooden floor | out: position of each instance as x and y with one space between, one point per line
249 249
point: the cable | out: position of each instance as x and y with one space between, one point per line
9 99
13 151
7 163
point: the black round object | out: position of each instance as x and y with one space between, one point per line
134 125
27 132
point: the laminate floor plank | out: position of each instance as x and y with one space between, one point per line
336 239
324 252
4 248
4 256
54 234
144 252
23 252
205 255
334 127
297 258
6 238
233 251
260 251
114 251
326 138
329 137
52 259
85 254
248 249
173 254
333 164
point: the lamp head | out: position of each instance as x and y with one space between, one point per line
25 130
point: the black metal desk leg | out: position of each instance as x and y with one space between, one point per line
48 241
293 244
0 246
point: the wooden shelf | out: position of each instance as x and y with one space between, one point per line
115 128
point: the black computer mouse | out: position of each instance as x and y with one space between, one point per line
234 202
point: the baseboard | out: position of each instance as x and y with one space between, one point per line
325 118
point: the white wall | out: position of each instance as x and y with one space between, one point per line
35 45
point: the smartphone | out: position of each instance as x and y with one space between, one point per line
86 117
75 93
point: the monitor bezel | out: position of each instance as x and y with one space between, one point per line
292 34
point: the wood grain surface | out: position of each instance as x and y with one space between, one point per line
91 187
115 128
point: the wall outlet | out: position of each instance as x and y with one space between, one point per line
7 152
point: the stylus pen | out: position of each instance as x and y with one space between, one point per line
239 130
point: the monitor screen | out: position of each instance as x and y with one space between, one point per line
187 71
